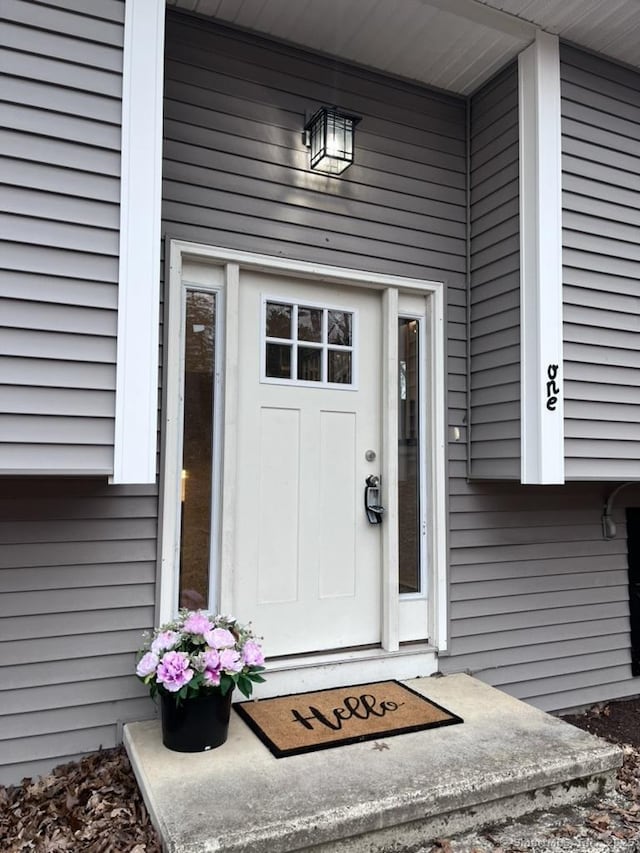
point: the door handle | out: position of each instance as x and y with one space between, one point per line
372 505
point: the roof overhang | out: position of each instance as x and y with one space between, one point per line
455 45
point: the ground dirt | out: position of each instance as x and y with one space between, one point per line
94 805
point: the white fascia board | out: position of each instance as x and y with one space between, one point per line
542 409
139 273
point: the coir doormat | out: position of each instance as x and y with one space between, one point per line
303 722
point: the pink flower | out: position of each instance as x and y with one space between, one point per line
165 640
252 654
211 672
230 660
212 677
174 672
197 623
220 638
211 659
147 665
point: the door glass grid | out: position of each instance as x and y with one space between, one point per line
308 344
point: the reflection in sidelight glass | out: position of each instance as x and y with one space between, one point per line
197 453
409 510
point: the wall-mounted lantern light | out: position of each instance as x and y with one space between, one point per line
330 136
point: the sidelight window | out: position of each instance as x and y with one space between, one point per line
410 450
197 454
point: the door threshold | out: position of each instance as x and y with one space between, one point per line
300 673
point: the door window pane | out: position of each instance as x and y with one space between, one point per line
278 320
310 324
409 511
339 323
309 364
279 361
197 454
339 364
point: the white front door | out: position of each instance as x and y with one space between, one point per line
307 562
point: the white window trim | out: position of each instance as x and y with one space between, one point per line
233 261
136 408
542 428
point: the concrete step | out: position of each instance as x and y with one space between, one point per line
506 760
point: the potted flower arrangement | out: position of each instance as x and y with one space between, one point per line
194 663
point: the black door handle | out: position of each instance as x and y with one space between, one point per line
372 505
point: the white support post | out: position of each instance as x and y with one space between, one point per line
136 413
542 411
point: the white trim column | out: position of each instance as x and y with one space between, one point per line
390 578
542 411
139 274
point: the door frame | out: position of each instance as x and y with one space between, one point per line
229 262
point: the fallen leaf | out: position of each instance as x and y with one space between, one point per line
568 830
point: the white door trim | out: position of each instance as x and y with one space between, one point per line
389 472
233 261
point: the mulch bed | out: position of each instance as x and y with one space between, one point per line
95 805
89 805
618 722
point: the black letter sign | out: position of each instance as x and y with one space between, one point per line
552 389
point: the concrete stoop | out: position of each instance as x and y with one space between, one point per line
507 760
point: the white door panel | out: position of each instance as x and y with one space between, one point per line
307 562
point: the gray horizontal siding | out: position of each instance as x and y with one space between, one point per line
77 588
236 173
601 259
60 88
495 280
539 600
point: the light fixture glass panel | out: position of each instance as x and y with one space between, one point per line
310 324
278 320
339 366
331 140
278 361
309 364
196 492
339 328
409 457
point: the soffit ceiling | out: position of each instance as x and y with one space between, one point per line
452 44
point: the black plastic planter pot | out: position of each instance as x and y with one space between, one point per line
197 724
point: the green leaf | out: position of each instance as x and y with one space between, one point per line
257 678
245 686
